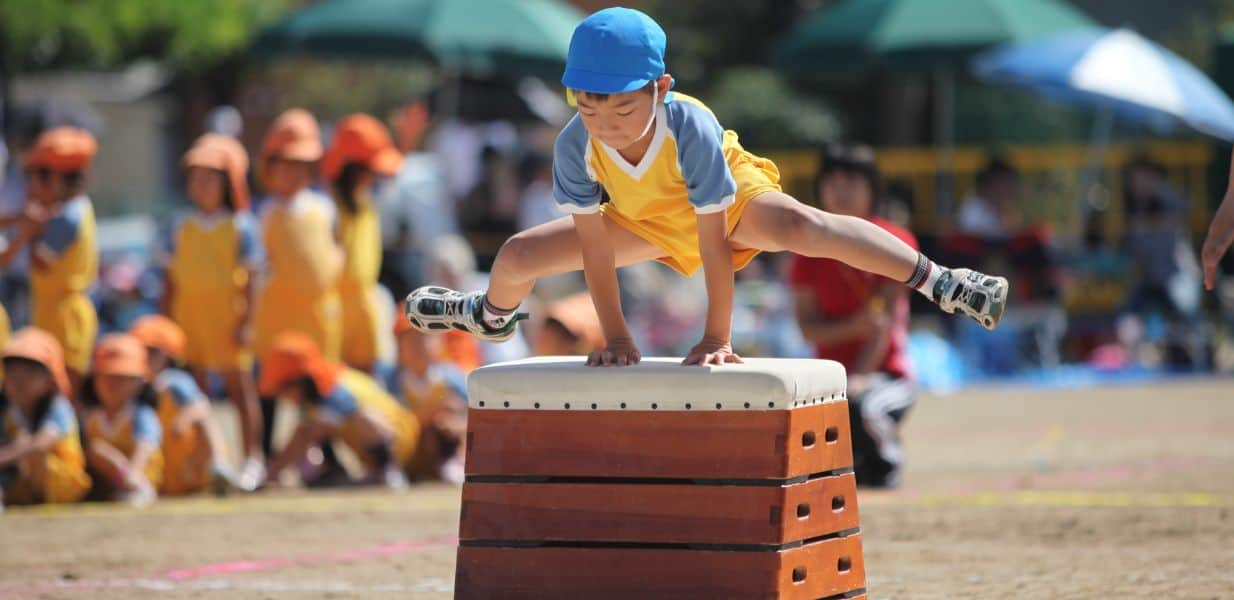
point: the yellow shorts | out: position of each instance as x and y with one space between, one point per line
754 175
71 319
186 463
62 482
280 310
209 324
360 323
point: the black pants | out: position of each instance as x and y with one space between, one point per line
874 416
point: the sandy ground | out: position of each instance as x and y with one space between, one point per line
1011 493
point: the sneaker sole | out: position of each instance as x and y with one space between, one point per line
997 305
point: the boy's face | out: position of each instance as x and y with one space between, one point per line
157 359
416 350
621 120
51 187
846 193
115 390
26 381
287 177
205 188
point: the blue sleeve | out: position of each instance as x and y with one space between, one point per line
60 420
337 406
574 187
456 382
249 235
181 386
146 426
700 152
63 229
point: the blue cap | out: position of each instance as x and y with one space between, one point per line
614 51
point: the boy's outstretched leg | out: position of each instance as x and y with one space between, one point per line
777 222
548 249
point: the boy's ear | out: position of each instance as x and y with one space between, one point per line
664 84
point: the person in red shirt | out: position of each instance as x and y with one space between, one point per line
860 320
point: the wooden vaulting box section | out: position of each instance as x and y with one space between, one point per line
659 481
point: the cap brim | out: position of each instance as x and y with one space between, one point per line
307 151
600 83
387 162
206 158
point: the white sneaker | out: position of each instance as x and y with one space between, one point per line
394 479
252 474
975 294
434 309
142 496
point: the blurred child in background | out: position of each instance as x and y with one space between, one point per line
359 154
571 327
193 448
435 391
212 282
41 459
860 319
58 228
298 227
338 404
123 435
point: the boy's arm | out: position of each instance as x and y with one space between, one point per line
875 348
600 271
1220 235
713 245
307 434
141 455
818 330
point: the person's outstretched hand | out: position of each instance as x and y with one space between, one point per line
712 351
618 353
1220 236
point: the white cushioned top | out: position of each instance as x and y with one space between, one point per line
566 383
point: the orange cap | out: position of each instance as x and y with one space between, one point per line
362 139
294 135
63 149
296 355
157 331
578 314
39 346
120 354
222 153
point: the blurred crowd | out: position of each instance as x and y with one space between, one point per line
276 289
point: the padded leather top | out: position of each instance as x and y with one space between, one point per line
566 383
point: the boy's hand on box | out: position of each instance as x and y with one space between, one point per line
712 351
618 353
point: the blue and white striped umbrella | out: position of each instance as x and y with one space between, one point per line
1115 70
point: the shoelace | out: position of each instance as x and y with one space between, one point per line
453 307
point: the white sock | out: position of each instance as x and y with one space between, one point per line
496 318
927 285
924 276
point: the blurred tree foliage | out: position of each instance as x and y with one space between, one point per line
757 103
187 34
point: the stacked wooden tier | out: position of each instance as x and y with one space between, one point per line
659 481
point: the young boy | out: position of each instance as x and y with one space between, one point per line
60 233
338 403
123 434
683 191
193 448
41 459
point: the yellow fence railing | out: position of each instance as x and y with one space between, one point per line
1051 176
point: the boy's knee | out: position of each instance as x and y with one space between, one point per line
515 257
803 225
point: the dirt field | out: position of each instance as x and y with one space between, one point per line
1011 493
